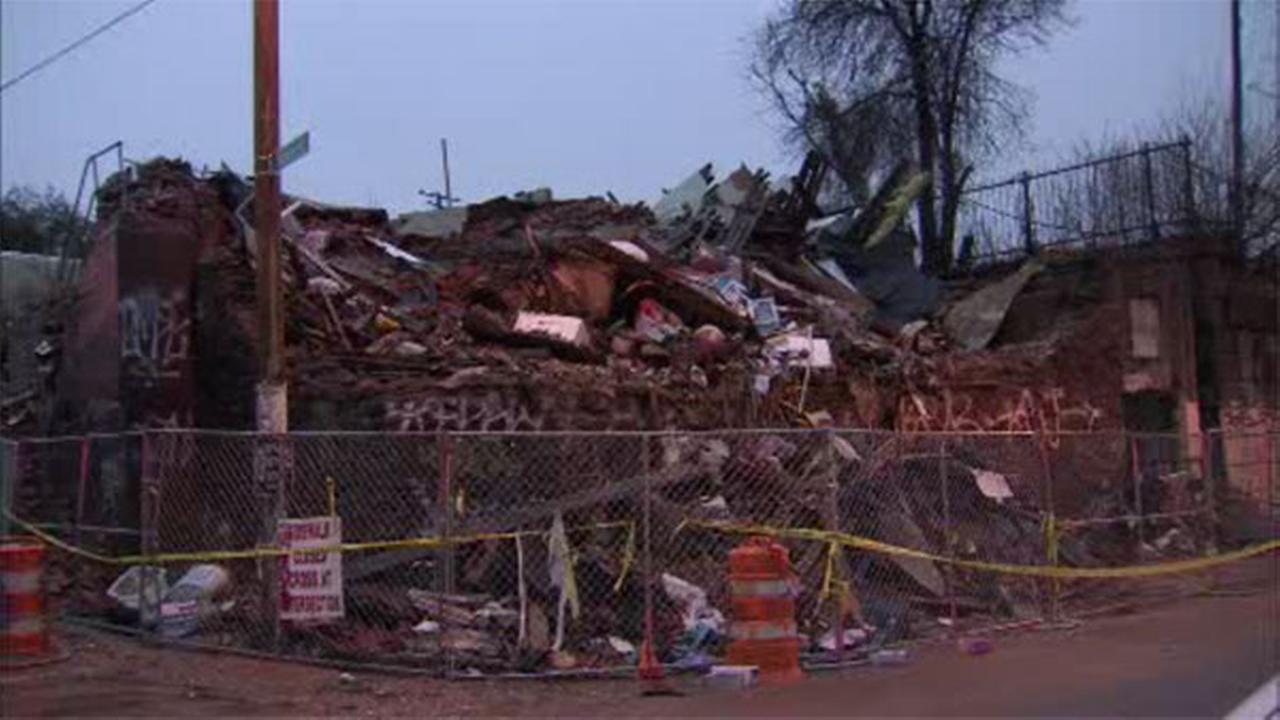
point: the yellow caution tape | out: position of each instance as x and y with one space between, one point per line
862 543
628 557
425 543
828 575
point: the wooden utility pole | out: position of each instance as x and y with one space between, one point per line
272 404
271 456
1237 132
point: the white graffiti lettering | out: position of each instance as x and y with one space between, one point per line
155 335
1026 410
490 412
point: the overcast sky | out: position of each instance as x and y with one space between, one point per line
584 96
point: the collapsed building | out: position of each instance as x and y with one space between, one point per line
727 304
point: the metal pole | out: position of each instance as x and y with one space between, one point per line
832 512
1028 227
949 528
645 469
1136 473
1051 528
447 556
1150 189
8 481
1271 468
1211 505
272 397
448 185
1237 132
85 452
1188 186
147 525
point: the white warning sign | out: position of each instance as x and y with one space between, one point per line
310 582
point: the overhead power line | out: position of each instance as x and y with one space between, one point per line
69 48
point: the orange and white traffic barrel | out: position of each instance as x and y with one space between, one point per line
23 632
763 627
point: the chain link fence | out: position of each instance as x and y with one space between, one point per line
552 553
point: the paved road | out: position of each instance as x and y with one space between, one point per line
1197 657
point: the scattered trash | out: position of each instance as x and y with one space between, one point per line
536 196
992 484
975 645
571 330
560 568
732 677
696 613
190 598
733 292
764 313
716 505
797 349
562 660
324 286
631 249
656 323
684 198
853 637
621 646
889 657
427 627
132 584
408 348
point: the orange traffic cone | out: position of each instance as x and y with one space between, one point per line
653 680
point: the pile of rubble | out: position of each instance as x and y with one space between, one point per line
726 279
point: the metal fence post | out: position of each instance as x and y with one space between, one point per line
1136 473
1273 492
444 495
831 511
1210 509
147 489
646 465
949 529
1149 188
1028 210
1188 184
1051 529
86 449
8 482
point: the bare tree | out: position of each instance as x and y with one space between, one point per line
870 82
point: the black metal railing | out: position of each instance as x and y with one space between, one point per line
1135 196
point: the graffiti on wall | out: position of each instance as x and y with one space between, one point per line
155 335
498 411
1047 410
492 412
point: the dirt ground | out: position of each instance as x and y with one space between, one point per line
1194 657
